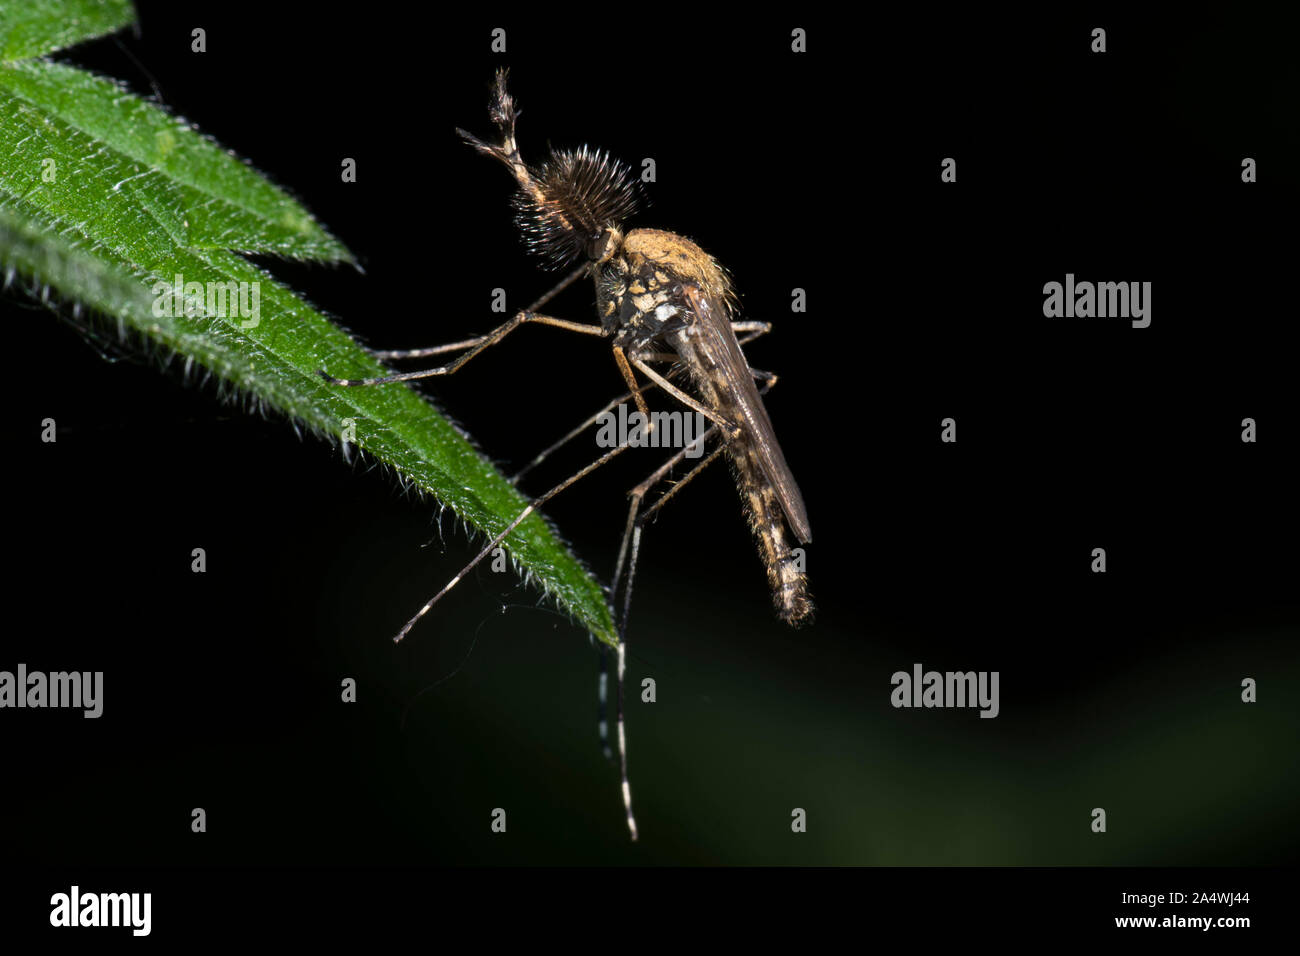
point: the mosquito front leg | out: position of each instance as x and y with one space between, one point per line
492 338
399 354
478 343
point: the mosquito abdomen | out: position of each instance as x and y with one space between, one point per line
788 583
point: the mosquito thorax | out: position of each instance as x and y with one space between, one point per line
639 288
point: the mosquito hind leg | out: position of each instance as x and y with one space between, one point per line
754 329
634 527
630 550
602 698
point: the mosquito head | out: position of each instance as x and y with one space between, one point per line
574 204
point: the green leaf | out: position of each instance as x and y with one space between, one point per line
38 249
228 205
32 27
119 206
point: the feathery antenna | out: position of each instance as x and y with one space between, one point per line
567 203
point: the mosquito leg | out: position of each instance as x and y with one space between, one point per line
572 277
487 549
770 379
678 486
636 518
493 337
398 354
575 432
634 530
591 420
635 523
625 784
638 494
620 357
755 329
685 399
634 526
632 534
602 698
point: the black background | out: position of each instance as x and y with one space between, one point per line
817 171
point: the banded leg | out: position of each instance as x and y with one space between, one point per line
754 330
399 354
477 344
488 548
635 521
602 696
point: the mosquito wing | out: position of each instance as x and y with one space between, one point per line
720 346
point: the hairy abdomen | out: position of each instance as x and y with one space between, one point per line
788 583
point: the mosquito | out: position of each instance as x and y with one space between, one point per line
661 301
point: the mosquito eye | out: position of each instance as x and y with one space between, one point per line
598 248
